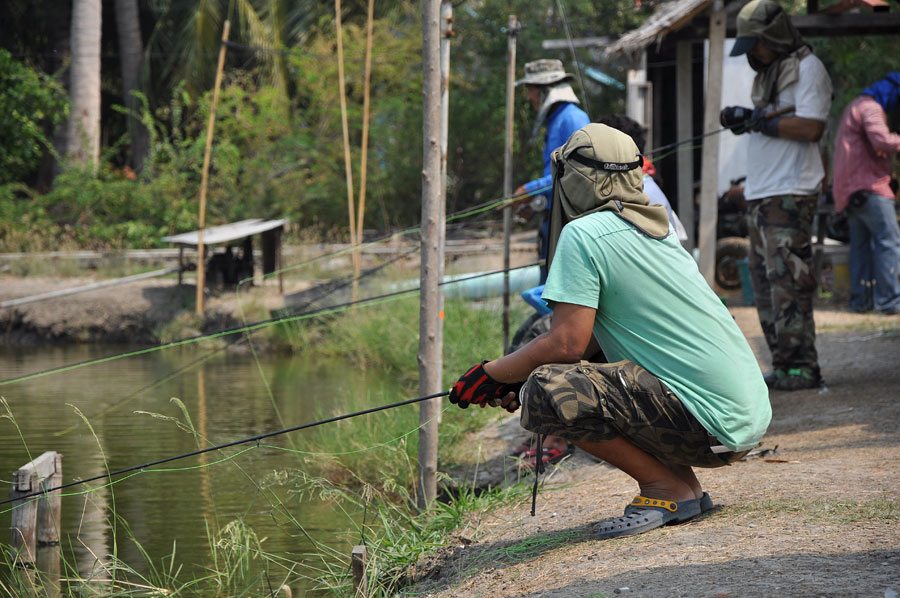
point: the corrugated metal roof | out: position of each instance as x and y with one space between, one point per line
668 17
226 232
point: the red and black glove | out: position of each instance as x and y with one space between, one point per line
478 388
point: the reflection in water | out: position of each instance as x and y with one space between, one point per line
165 512
202 435
93 534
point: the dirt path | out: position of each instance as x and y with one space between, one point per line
818 517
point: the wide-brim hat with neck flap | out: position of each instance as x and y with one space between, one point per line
545 71
765 20
599 168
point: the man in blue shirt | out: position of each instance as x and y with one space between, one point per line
549 92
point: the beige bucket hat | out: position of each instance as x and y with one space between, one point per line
545 71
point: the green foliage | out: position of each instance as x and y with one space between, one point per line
478 85
856 62
30 105
384 338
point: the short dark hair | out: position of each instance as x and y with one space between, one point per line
627 125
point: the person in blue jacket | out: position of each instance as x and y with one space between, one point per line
548 90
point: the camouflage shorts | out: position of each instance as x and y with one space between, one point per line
596 402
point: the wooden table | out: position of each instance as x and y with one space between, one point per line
271 231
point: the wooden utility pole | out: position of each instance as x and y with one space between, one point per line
512 30
709 175
447 34
204 175
429 355
685 130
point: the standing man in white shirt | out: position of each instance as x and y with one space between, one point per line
791 98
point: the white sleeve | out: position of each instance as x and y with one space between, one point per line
812 97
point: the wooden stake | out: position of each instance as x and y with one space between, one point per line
358 560
348 169
204 176
34 521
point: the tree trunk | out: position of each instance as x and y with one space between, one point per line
131 48
59 29
83 131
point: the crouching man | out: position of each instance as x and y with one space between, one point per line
643 366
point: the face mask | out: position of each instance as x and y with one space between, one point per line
758 65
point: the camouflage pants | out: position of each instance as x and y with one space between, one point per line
596 402
783 276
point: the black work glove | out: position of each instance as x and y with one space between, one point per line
761 124
478 388
737 118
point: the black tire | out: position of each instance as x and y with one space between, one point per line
729 251
534 326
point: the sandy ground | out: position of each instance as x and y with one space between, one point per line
133 313
816 514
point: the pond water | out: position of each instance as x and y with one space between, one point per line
228 397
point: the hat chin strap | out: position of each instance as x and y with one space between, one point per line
609 166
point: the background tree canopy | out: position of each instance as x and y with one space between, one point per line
278 141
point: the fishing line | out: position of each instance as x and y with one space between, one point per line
136 469
655 150
475 210
259 324
584 95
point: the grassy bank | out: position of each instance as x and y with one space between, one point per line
365 468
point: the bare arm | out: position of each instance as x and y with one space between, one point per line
877 131
570 339
798 128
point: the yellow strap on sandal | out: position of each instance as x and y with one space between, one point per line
643 501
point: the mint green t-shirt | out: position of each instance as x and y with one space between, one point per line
655 309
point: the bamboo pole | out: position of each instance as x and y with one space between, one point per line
204 176
512 29
348 168
429 353
364 146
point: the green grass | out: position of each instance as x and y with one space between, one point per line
383 338
366 470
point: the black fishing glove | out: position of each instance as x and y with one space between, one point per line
766 126
740 119
478 388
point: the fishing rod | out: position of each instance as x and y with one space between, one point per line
251 327
774 114
219 447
